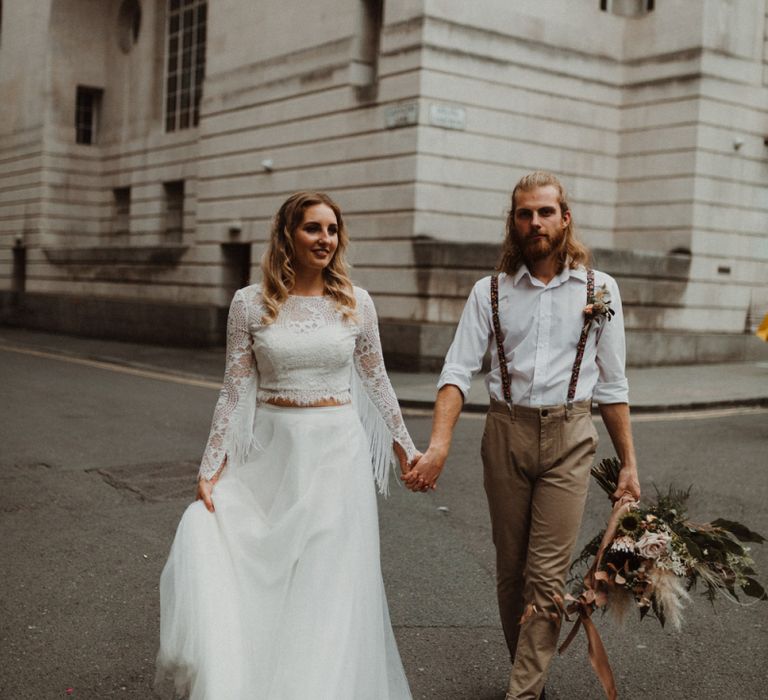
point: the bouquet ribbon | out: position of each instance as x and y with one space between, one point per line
587 602
620 509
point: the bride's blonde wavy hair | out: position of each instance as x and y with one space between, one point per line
277 264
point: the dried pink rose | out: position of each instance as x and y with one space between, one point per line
653 545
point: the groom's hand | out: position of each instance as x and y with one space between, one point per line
628 483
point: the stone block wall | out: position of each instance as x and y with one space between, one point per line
418 116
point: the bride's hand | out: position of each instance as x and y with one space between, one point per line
205 488
402 458
205 491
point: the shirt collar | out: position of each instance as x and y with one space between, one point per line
579 273
522 271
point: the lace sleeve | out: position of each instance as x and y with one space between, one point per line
369 364
233 415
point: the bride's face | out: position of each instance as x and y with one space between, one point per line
316 239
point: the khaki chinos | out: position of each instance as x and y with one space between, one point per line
536 464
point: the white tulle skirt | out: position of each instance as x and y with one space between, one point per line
278 595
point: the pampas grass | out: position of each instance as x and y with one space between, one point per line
669 595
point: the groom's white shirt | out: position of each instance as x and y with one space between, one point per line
541 325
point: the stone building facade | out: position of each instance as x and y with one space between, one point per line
145 144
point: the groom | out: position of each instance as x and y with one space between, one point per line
539 439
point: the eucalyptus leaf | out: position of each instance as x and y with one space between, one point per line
753 589
741 532
693 548
731 546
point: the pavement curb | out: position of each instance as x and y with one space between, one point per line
406 403
749 402
758 402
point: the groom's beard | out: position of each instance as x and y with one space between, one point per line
535 248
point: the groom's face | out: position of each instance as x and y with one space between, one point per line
539 222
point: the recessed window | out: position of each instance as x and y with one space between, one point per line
87 114
627 8
372 16
185 62
121 211
128 24
174 210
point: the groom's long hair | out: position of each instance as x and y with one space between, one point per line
572 252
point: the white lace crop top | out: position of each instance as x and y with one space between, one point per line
306 355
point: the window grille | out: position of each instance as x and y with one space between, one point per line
185 64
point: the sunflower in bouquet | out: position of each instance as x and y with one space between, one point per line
652 556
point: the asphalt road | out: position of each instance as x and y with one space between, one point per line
97 463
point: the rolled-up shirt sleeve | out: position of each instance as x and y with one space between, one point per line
465 356
612 385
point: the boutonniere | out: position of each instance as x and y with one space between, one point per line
600 307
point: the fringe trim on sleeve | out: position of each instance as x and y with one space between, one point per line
240 439
379 436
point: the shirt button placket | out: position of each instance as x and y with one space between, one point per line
542 345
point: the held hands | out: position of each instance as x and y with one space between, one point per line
403 458
425 471
409 473
405 466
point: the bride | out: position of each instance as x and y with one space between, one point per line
273 587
